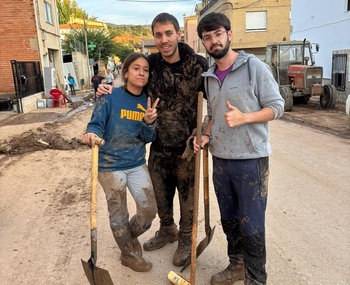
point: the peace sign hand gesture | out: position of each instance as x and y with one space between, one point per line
151 112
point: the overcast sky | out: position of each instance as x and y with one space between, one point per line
130 12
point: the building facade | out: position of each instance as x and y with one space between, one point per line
253 23
29 37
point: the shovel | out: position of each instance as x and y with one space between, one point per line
95 275
208 230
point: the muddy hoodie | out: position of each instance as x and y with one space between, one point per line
177 86
250 87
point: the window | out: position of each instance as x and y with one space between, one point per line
339 71
256 21
348 8
48 15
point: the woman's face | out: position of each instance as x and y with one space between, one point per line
137 74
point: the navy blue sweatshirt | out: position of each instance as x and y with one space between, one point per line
118 119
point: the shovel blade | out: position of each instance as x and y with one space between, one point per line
200 247
96 275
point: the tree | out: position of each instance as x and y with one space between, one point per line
123 50
104 44
67 8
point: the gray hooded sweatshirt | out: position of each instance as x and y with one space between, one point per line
250 87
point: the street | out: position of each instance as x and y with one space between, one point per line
44 213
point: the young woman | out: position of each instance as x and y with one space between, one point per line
126 121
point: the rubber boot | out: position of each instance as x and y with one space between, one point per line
161 238
129 257
234 272
183 251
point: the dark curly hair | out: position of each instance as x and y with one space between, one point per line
211 22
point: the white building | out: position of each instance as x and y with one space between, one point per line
326 22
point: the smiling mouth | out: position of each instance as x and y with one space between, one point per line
167 47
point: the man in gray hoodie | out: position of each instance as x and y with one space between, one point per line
242 97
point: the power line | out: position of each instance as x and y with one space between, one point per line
153 1
321 26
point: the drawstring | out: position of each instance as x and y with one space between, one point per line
249 73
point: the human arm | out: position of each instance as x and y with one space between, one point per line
104 89
89 139
148 126
235 118
151 112
205 137
97 125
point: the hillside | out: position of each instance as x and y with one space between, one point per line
128 34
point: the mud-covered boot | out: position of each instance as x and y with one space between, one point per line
183 251
129 257
161 238
234 272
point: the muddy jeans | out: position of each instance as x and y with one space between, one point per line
170 172
241 190
138 181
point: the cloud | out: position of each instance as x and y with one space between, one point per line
135 13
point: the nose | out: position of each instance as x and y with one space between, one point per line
164 38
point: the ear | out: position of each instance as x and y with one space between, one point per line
229 35
179 35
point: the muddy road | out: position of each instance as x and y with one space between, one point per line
44 206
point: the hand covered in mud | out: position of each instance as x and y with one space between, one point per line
204 141
151 112
234 117
104 89
91 139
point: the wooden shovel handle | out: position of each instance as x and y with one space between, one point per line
196 190
93 196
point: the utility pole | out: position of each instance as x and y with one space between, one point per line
99 57
87 51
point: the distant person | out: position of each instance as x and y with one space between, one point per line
126 121
96 80
71 82
118 68
109 77
66 84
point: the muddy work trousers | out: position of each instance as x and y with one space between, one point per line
170 172
241 190
138 181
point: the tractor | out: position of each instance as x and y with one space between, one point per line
294 68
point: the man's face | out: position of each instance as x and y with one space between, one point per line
217 43
166 40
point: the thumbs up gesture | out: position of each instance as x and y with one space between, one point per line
234 117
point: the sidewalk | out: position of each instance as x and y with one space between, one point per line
45 114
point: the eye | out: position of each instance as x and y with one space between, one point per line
206 38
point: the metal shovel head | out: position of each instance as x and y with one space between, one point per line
200 247
96 275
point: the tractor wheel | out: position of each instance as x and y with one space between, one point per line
328 97
287 95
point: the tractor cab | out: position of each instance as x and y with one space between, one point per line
293 66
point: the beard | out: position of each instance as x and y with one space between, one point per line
219 53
